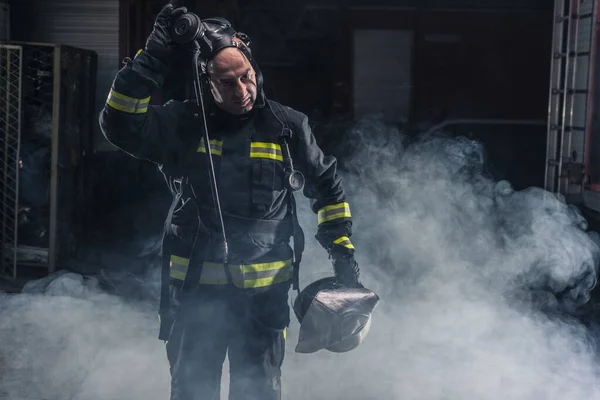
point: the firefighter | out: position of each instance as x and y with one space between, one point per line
210 305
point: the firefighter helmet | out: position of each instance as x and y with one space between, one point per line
333 317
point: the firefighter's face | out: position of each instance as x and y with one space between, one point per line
232 81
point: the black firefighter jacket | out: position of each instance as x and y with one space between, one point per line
254 198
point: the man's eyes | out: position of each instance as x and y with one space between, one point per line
243 78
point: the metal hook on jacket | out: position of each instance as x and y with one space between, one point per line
293 177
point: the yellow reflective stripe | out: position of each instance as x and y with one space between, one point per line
262 282
265 274
177 275
344 241
216 147
180 260
265 145
270 156
127 104
261 267
138 52
335 211
270 151
284 334
244 276
178 267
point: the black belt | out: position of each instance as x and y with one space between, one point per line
234 223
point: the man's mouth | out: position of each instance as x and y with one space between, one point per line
245 102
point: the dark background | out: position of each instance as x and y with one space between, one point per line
498 66
468 59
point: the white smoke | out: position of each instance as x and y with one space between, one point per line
66 338
477 281
479 287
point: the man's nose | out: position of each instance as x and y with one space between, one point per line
240 89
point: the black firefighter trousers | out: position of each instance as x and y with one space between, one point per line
217 320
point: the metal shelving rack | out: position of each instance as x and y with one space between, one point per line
47 96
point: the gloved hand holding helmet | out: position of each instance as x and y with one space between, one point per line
345 267
335 312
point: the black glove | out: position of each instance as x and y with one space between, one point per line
160 54
160 41
345 268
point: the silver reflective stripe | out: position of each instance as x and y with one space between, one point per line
243 276
335 211
265 274
127 104
266 150
179 266
250 276
216 147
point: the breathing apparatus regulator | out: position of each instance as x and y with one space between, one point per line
187 28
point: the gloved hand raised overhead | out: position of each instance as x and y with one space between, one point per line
160 54
160 42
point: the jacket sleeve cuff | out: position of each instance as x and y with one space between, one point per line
337 212
336 238
148 68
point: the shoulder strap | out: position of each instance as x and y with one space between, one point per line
298 243
299 240
281 115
